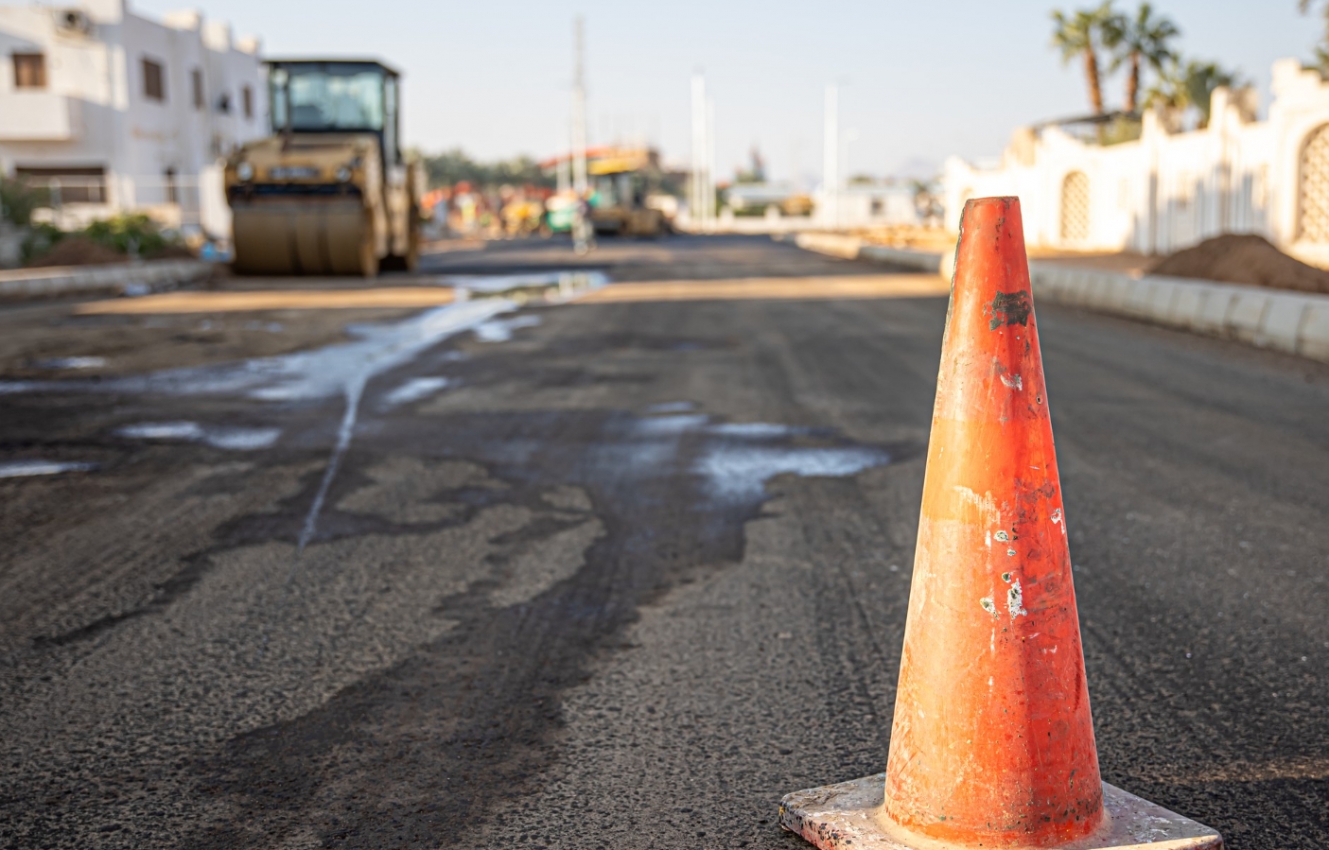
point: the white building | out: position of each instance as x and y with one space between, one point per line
1170 190
118 112
867 205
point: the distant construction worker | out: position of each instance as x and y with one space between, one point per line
583 233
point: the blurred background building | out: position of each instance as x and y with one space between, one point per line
115 112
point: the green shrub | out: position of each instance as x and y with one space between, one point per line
18 200
41 238
134 234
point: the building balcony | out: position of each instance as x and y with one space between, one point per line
39 116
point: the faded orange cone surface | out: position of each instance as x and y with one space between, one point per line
992 739
993 743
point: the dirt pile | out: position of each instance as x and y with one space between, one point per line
1247 259
78 251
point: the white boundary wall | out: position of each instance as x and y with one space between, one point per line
1168 190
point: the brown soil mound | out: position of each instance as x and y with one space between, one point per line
171 252
1244 258
78 251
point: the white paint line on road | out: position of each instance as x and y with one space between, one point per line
233 438
500 330
29 468
60 363
414 390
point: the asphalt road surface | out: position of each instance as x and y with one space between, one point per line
606 574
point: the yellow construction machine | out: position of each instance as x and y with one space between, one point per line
621 182
329 192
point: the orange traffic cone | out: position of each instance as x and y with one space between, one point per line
993 742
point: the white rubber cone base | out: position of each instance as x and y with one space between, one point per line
848 817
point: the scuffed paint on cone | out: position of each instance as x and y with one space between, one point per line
992 743
992 740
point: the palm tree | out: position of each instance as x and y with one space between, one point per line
1191 85
1142 39
1201 80
1080 35
1321 49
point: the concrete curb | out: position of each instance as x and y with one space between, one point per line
76 280
1292 322
852 248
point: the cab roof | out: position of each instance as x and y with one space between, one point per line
334 60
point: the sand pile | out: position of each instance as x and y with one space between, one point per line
1244 258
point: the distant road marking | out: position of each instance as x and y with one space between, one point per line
773 288
293 299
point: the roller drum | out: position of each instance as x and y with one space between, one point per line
282 238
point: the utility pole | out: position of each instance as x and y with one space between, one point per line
564 175
579 111
830 169
582 237
697 205
710 162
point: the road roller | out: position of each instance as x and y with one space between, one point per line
329 192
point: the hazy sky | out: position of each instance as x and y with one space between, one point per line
920 80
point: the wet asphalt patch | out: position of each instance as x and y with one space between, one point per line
673 492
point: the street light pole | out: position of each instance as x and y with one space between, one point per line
831 157
579 112
697 180
581 227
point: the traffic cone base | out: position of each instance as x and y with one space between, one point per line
850 816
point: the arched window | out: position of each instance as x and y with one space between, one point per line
1313 203
1075 207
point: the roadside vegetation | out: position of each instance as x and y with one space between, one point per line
455 166
1103 40
117 239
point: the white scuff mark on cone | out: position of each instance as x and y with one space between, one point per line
1015 600
987 506
1013 382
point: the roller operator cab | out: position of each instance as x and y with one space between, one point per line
329 192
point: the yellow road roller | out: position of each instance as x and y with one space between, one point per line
329 192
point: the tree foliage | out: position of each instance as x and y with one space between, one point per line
1142 39
1191 85
1321 55
454 166
1080 35
18 200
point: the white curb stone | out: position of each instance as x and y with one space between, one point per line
1294 322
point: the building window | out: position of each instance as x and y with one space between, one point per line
154 80
1075 207
67 185
29 71
247 95
199 99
